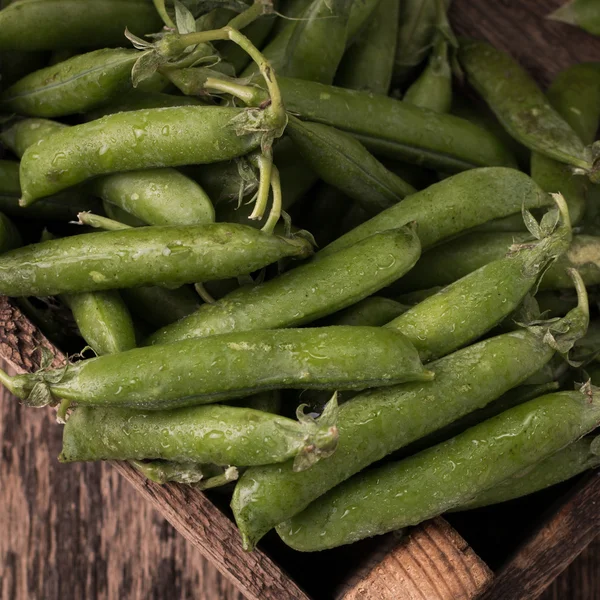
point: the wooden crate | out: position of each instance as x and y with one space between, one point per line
512 551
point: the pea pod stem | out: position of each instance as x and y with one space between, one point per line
99 222
265 168
276 208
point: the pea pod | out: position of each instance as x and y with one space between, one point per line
233 365
103 321
141 256
63 207
305 293
415 35
449 262
445 476
368 63
582 13
221 435
466 309
53 24
575 94
345 163
378 422
396 129
433 88
374 311
139 100
141 139
77 85
520 105
452 206
567 463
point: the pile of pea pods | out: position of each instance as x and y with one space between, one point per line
320 255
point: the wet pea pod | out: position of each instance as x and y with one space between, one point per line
368 64
233 365
520 105
76 85
466 309
378 422
567 463
142 139
374 311
396 129
73 23
63 207
582 13
433 88
155 196
219 435
575 95
345 163
142 256
452 206
449 262
103 321
306 293
445 476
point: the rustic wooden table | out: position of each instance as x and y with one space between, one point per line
81 531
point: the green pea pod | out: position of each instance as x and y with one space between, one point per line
141 139
141 256
567 463
582 13
466 309
221 435
575 94
160 306
103 321
157 197
288 10
54 24
396 129
346 164
138 100
418 19
433 88
63 207
24 133
318 41
368 63
445 476
306 293
374 311
378 422
520 105
118 214
77 85
232 365
449 262
452 206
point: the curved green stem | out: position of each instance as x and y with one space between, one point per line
265 169
203 293
275 213
161 9
249 95
249 15
8 382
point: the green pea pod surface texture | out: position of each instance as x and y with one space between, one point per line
425 485
52 24
206 370
142 139
306 293
141 256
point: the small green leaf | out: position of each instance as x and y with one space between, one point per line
186 23
531 224
39 396
549 222
145 66
138 43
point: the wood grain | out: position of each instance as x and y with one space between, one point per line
562 537
190 511
433 562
